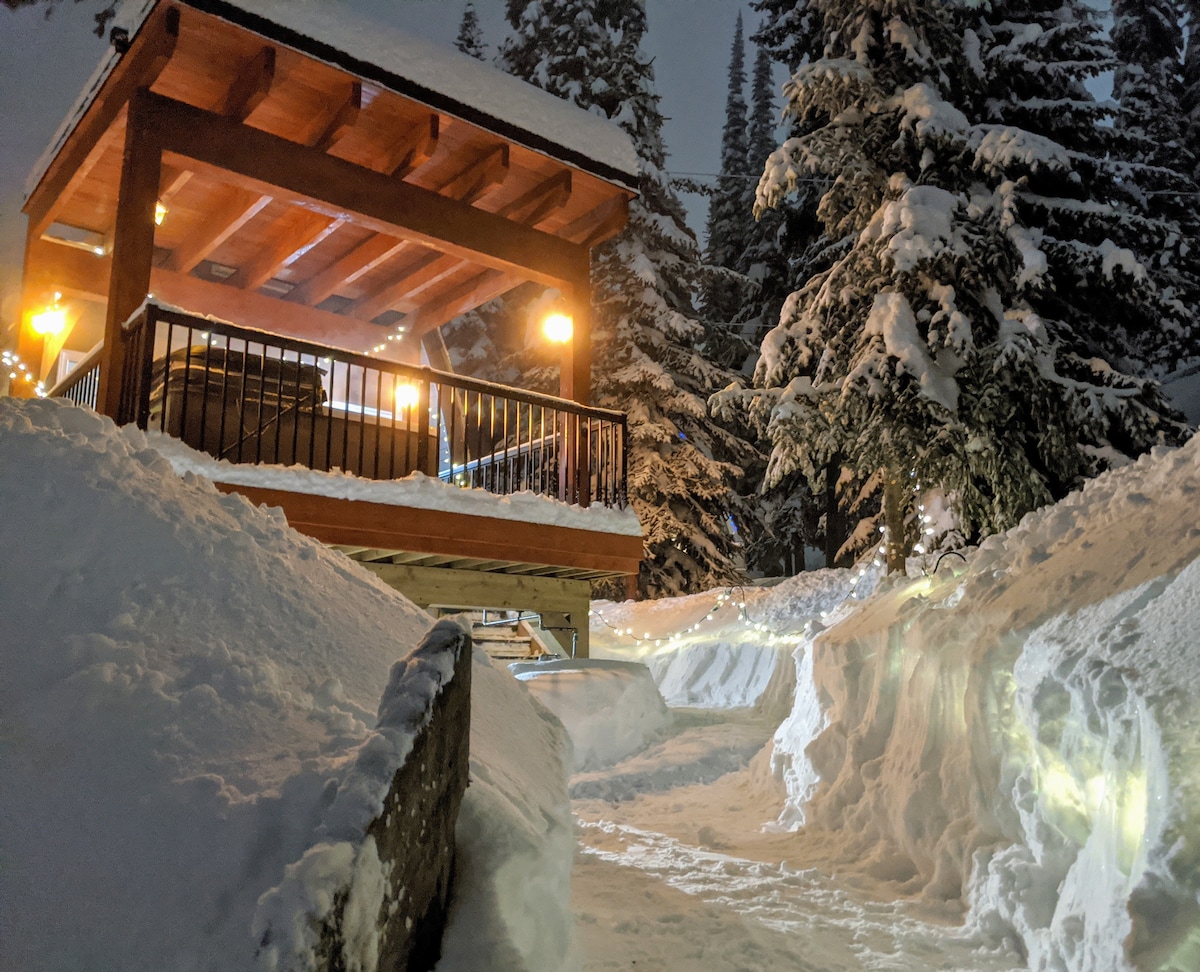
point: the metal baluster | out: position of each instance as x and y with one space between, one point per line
278 407
241 430
224 400
378 420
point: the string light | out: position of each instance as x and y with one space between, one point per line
18 370
730 597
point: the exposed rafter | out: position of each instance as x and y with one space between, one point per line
344 117
363 258
480 175
415 149
251 86
536 204
297 233
239 207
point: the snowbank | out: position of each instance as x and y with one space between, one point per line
707 650
188 716
1025 734
516 839
610 708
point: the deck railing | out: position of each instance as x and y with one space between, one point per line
82 385
249 396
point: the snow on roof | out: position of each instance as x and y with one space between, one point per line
439 77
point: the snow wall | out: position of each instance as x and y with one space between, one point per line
189 742
1024 733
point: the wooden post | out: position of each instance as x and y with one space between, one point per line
894 503
575 376
133 243
575 384
29 345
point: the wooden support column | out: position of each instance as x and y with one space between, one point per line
575 380
34 288
133 243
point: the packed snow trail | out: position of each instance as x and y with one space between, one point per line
686 877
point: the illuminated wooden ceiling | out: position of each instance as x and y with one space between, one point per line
263 252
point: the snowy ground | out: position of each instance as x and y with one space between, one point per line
989 768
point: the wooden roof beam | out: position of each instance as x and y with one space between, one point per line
235 211
477 177
344 118
364 257
481 288
270 165
482 174
602 223
428 269
415 149
536 204
299 235
139 67
251 86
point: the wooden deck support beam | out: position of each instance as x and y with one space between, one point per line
558 599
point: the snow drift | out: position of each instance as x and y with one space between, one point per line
1018 737
188 708
1024 734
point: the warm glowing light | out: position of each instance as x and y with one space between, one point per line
558 328
160 213
52 320
407 395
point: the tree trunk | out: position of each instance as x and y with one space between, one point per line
833 521
895 502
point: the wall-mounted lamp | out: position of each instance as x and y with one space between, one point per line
558 328
50 320
160 213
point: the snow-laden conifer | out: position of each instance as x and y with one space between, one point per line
1156 167
683 466
730 218
967 332
470 36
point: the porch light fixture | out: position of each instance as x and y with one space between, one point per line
407 395
558 328
50 320
160 213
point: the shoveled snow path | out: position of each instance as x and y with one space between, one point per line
686 878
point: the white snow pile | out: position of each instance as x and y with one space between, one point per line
1019 736
1025 736
610 709
189 739
719 649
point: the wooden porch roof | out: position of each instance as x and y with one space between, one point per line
307 191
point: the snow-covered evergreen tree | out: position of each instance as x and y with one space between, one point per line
730 218
470 36
1155 166
683 467
967 332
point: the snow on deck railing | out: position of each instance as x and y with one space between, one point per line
248 396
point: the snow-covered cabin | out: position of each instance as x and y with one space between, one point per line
247 234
